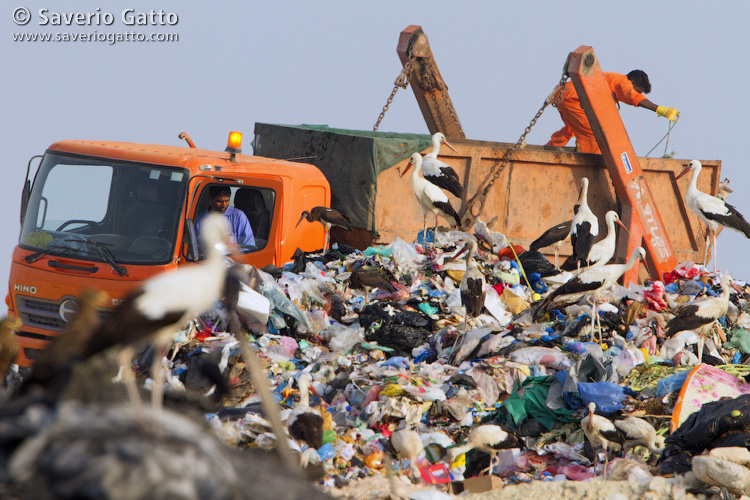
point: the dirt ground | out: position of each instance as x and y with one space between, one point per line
375 488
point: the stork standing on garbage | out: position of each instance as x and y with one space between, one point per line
489 439
328 217
584 227
603 250
712 211
431 198
554 237
591 283
601 432
438 172
701 315
155 311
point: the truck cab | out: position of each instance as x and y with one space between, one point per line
108 215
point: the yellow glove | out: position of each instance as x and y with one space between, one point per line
669 113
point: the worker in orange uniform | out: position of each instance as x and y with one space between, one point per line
625 88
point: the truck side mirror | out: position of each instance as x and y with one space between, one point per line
191 239
25 194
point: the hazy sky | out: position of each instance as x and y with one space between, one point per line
334 63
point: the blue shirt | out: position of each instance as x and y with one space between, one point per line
241 229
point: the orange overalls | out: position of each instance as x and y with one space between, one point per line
576 123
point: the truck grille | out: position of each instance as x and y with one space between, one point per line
40 314
45 314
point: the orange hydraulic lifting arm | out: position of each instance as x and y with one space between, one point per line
427 83
639 211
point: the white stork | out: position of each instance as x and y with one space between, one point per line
472 284
637 432
591 283
304 423
553 236
431 198
406 443
600 431
584 228
603 250
438 172
701 315
165 303
327 217
712 211
487 438
472 288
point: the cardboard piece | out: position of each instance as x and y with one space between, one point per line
478 484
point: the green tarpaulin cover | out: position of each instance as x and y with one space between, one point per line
350 159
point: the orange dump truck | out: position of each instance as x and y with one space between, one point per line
109 215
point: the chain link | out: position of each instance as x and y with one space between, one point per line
497 169
402 81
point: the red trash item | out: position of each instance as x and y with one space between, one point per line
435 474
507 253
204 333
576 472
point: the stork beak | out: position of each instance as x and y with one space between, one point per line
300 219
686 170
458 254
622 225
445 141
408 166
591 420
315 392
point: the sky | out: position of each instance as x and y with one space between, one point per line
236 63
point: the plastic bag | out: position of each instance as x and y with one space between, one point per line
740 338
607 395
544 356
344 338
406 257
671 384
716 425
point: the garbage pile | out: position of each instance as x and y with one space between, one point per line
370 360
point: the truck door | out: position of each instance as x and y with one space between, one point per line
249 205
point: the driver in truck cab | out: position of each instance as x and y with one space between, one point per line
218 199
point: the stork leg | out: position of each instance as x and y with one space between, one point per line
557 255
713 245
434 233
606 462
701 342
424 231
705 253
158 377
125 359
415 475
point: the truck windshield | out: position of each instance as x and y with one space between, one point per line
104 210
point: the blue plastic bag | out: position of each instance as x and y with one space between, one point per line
397 362
671 384
608 396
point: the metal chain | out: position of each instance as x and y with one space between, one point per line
402 81
495 172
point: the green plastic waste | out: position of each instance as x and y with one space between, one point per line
740 338
528 399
